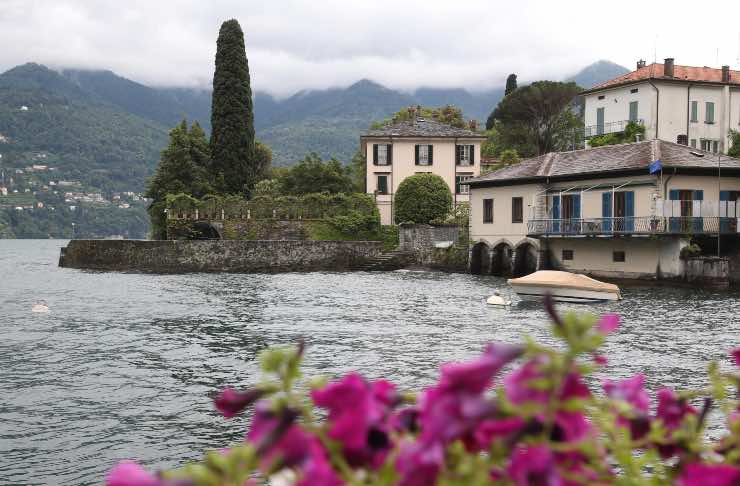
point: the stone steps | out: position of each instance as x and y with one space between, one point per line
386 261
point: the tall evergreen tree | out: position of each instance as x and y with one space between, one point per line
510 84
232 119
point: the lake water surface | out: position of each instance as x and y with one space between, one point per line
124 365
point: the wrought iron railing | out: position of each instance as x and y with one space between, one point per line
609 127
641 225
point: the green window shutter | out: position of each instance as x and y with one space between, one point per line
457 154
710 112
694 111
375 154
430 154
389 154
416 154
633 111
472 154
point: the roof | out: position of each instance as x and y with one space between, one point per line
606 161
421 127
680 73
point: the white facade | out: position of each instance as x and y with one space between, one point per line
665 108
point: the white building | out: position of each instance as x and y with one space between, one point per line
695 106
421 146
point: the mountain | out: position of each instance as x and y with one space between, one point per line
597 73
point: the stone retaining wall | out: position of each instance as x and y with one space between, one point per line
262 256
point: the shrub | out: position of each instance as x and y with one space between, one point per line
689 251
422 198
542 423
510 157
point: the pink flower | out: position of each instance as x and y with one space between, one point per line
709 475
128 473
517 384
476 376
278 439
231 402
608 323
600 359
631 390
533 466
672 409
358 416
318 471
491 430
419 464
736 356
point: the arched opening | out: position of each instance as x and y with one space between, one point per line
480 259
205 231
525 260
501 261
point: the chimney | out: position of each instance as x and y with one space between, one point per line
641 64
725 74
668 67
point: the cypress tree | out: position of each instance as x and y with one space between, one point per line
510 84
232 119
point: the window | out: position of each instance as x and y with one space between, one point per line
517 210
464 154
599 121
709 145
694 111
567 254
682 140
424 155
633 111
710 112
382 154
618 256
693 143
460 186
634 90
601 97
382 184
488 210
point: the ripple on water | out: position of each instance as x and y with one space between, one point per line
124 365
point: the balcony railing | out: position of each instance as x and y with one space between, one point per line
609 127
641 225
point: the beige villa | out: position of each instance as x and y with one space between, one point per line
605 211
419 146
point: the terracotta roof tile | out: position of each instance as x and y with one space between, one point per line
683 73
602 160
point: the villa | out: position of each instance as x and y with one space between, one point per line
419 146
622 211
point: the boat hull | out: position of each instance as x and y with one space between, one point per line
535 292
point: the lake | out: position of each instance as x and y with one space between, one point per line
124 365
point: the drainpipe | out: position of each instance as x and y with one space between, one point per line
688 114
665 184
657 108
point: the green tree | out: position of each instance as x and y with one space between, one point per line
510 157
510 84
358 171
538 118
314 175
178 172
232 118
422 198
263 160
448 114
630 134
734 150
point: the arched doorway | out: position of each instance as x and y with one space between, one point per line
525 259
205 231
501 261
480 259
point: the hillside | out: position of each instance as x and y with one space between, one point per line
597 72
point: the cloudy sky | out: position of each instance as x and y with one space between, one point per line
404 44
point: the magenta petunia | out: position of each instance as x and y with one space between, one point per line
736 356
359 416
491 430
128 473
534 466
281 440
477 375
317 470
231 402
419 464
630 390
672 409
518 383
697 474
608 323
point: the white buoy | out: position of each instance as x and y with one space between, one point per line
40 308
496 299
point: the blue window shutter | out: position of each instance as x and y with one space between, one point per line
606 204
576 206
724 195
556 207
673 195
698 195
629 203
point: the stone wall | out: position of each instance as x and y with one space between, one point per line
435 247
707 271
168 256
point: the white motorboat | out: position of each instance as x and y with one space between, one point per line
564 287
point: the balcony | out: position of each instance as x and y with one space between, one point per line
640 225
609 127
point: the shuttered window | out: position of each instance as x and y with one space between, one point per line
382 154
382 184
488 210
464 154
710 112
694 111
633 111
517 210
460 186
424 155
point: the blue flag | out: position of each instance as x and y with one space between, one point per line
656 166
